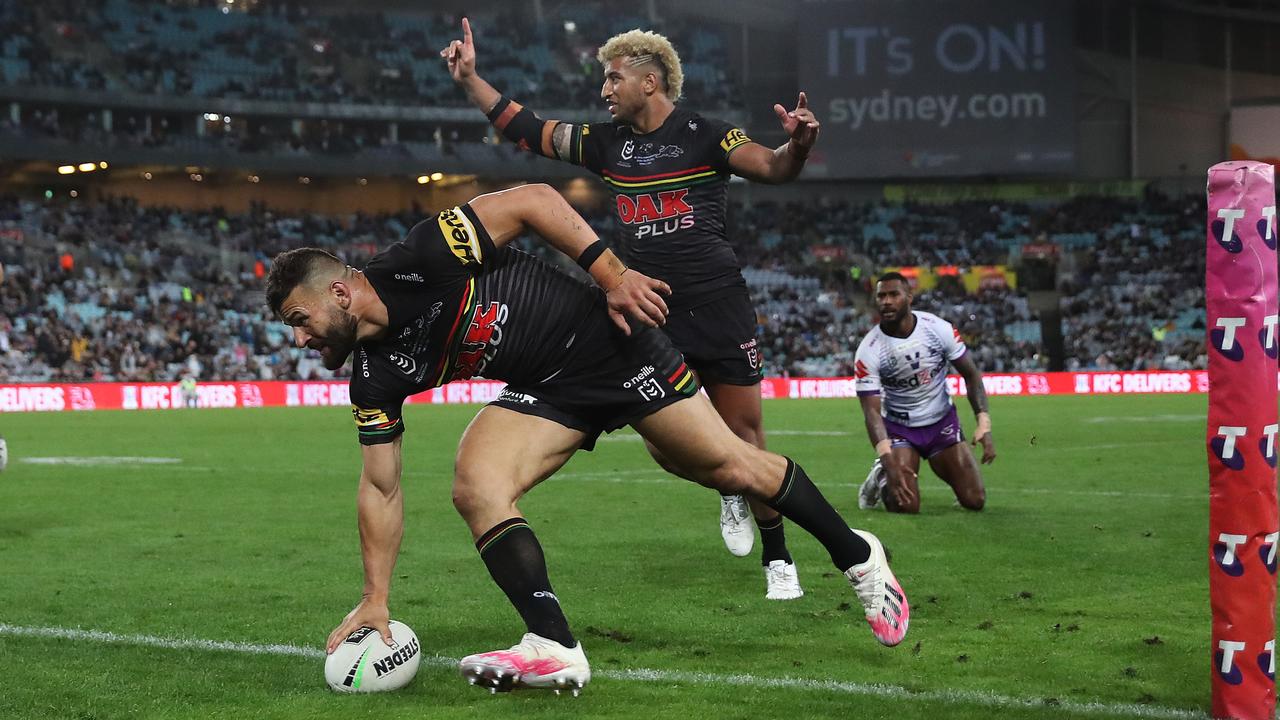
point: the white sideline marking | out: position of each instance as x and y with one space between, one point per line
954 697
1108 446
817 433
633 437
99 460
609 477
1146 418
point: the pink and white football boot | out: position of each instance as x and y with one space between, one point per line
536 662
886 605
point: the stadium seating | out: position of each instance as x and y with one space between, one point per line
151 297
287 52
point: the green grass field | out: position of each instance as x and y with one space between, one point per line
1081 591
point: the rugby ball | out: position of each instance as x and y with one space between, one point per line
363 663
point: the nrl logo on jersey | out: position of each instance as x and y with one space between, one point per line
628 148
403 362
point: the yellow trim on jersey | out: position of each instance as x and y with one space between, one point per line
461 235
733 139
664 181
366 417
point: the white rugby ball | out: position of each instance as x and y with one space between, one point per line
363 663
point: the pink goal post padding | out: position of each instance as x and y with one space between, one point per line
1241 318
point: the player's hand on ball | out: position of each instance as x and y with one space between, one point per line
369 613
461 55
637 296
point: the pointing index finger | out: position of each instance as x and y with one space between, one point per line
466 31
803 102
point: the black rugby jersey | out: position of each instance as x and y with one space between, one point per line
670 187
460 308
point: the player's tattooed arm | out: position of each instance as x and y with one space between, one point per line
560 140
978 401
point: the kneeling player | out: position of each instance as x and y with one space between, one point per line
904 359
450 302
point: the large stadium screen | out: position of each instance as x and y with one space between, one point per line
964 89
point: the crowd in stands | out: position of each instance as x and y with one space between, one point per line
292 51
114 290
284 51
1137 298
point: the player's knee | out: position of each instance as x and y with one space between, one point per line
972 499
731 475
911 508
750 432
470 496
465 499
663 462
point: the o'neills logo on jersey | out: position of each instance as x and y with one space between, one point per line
656 213
461 235
410 277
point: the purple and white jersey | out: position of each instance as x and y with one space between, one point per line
910 372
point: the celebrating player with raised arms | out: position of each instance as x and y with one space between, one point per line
901 380
668 169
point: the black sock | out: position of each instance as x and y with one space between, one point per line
801 502
511 552
774 540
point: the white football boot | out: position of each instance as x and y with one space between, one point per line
736 525
781 581
872 490
536 662
884 602
4 454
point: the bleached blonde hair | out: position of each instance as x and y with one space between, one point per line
644 46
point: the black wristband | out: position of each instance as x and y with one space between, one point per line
591 254
497 109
